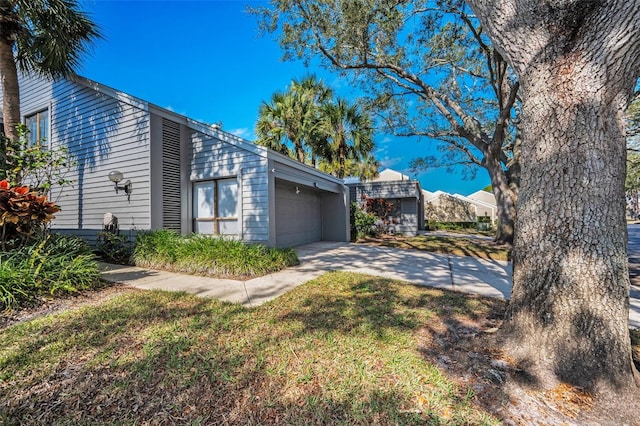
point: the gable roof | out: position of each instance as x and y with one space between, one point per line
483 196
390 175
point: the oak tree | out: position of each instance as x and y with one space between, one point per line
578 63
430 71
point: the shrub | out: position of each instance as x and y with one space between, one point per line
17 287
114 247
363 224
207 255
53 265
41 168
156 249
455 225
23 215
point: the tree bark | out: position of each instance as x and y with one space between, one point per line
10 89
342 158
578 63
505 198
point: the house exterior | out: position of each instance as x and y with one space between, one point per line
388 175
404 194
185 175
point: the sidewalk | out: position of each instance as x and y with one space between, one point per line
489 278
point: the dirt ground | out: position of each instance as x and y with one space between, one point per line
470 354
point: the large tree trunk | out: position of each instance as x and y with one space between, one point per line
10 90
578 63
505 198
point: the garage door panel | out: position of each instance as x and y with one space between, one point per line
298 216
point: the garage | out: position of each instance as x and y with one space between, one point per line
298 215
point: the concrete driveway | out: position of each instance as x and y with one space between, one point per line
470 275
466 274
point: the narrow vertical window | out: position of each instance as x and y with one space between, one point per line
203 211
38 127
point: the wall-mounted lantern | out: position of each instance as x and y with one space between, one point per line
116 177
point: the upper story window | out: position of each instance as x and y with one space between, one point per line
38 126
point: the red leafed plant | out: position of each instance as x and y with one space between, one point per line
23 214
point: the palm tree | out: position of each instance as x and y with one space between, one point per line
46 37
366 169
276 124
350 135
291 118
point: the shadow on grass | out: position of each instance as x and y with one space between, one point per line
372 305
167 358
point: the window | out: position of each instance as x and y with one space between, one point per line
38 126
215 207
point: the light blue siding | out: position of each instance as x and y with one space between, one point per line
107 130
212 158
103 133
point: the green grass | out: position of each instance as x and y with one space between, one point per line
53 266
342 349
209 256
461 246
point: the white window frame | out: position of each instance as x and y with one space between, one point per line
216 219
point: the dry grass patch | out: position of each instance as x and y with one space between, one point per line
343 349
461 246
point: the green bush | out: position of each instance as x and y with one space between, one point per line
156 249
114 247
17 287
207 255
363 224
53 265
454 225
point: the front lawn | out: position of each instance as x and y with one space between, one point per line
342 349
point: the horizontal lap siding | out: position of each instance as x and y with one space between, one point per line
406 191
383 190
211 158
409 216
102 134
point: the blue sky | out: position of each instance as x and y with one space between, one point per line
205 59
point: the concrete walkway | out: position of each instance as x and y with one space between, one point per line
466 274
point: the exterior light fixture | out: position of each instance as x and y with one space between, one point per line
116 177
297 190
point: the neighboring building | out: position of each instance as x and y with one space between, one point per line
444 207
388 175
185 175
485 203
404 194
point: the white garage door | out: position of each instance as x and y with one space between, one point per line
298 215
